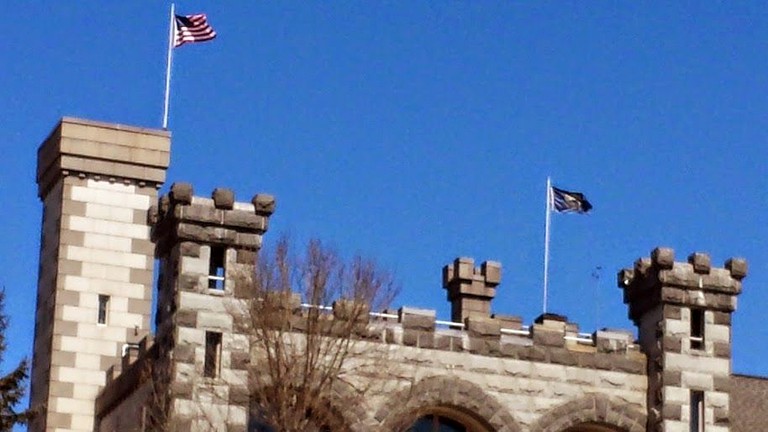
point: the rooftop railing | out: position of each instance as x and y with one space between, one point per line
525 331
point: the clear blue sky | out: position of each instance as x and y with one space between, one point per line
416 132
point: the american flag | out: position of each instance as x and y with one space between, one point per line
192 28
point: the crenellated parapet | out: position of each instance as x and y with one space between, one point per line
208 244
182 217
545 363
550 339
659 279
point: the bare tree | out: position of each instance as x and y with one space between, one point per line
303 352
313 346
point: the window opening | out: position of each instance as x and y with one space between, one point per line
697 411
697 329
103 309
216 269
436 423
212 354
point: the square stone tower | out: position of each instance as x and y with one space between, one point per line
683 314
207 250
96 182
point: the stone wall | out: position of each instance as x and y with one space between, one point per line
489 371
509 382
749 403
506 382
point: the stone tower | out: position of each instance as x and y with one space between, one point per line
470 289
207 251
683 313
96 182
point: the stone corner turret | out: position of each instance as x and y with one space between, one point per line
207 250
683 314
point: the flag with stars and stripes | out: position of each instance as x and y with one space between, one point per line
192 28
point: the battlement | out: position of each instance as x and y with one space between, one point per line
547 361
180 216
659 278
550 339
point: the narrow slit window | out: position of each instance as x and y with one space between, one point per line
216 270
697 329
103 309
697 411
212 354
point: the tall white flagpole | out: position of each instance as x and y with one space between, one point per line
546 241
171 35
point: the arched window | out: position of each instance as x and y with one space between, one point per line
329 421
593 427
256 426
437 423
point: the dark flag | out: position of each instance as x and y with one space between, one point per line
564 201
192 28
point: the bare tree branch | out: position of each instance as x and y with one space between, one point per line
302 355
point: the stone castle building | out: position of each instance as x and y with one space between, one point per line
104 227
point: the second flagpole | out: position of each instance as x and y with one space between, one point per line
546 241
171 33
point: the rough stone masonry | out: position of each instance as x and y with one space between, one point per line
98 361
